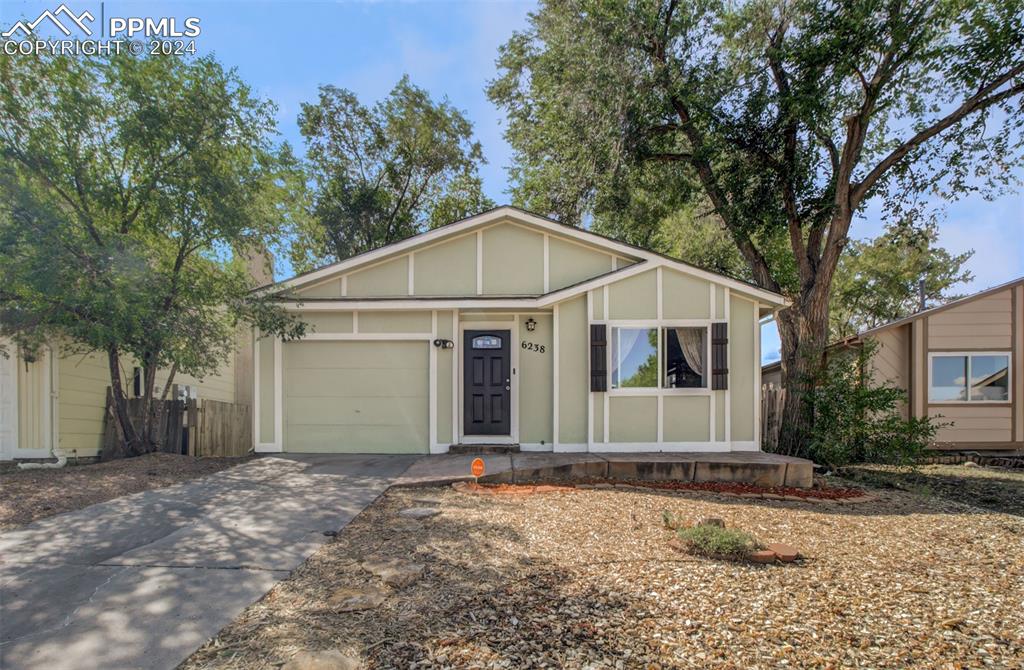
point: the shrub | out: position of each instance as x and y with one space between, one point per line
857 420
718 542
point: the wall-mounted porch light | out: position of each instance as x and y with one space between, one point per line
531 324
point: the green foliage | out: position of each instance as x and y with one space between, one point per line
857 420
126 185
877 280
383 173
717 542
786 117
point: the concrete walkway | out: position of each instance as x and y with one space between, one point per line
143 580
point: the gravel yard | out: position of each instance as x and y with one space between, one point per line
586 579
27 495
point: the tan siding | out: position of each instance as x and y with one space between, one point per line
687 418
328 322
890 360
394 322
447 269
635 297
1017 361
390 278
741 369
82 386
633 419
984 323
445 361
31 405
265 362
328 289
983 423
571 263
573 363
684 297
513 261
535 382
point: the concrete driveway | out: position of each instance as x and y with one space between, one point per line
141 581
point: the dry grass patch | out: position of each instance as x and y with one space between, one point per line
585 579
27 495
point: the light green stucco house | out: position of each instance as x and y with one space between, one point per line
510 328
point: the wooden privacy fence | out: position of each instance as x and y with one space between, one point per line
188 426
221 429
772 400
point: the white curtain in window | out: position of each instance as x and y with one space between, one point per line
691 341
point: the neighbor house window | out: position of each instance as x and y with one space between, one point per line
981 377
634 358
682 364
684 361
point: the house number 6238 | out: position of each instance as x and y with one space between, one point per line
530 346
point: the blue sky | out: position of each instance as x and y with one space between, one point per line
285 50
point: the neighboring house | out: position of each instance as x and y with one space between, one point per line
961 360
510 328
55 405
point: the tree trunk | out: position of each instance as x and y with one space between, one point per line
803 332
131 442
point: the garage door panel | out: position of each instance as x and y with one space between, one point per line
356 355
356 397
355 439
356 411
353 383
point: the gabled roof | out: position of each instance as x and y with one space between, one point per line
941 308
648 259
931 311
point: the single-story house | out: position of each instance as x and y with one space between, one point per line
961 361
510 328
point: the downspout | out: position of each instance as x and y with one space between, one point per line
52 417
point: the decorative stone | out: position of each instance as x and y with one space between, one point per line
394 572
354 599
331 659
712 521
763 556
786 553
419 513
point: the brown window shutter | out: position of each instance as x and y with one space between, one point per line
719 356
598 357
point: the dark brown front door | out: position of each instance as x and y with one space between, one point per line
487 382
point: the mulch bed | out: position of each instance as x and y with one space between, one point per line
28 495
734 489
587 579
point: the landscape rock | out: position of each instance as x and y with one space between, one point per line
394 572
331 659
354 599
786 553
419 513
763 556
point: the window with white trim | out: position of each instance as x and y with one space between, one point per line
637 363
969 377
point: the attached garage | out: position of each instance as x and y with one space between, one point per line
356 396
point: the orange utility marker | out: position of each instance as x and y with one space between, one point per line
477 467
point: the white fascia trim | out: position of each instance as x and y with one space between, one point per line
331 337
406 305
597 282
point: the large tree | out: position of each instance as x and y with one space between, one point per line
384 173
127 184
786 115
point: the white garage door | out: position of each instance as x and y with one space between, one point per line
356 397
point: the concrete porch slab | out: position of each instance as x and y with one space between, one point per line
747 467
